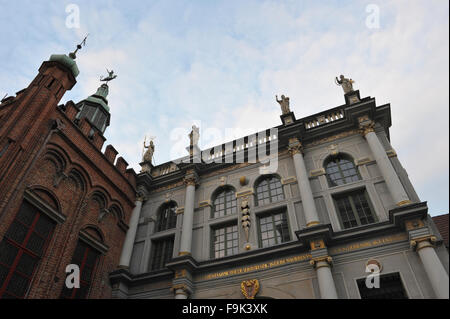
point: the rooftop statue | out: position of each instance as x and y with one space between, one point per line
148 155
284 103
111 76
194 136
347 84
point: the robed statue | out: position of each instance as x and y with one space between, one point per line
148 155
194 136
284 103
347 84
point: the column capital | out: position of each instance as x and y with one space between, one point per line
423 242
191 178
323 261
366 125
295 146
180 289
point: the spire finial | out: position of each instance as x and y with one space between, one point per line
72 55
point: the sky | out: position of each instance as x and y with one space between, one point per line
219 65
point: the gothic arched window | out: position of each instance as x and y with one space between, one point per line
269 190
167 218
341 170
224 202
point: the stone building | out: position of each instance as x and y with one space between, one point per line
306 209
62 200
337 207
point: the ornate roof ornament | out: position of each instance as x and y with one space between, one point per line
72 55
111 76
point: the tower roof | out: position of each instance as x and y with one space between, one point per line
100 96
67 62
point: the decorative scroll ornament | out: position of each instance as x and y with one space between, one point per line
245 209
250 288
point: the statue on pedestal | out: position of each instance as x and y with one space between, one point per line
284 103
347 84
194 136
148 155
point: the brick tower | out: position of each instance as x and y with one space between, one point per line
62 200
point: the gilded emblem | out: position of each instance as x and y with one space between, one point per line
250 288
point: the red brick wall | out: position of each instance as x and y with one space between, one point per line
66 170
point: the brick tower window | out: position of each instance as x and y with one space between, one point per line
86 258
21 250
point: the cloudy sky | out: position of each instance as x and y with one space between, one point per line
219 64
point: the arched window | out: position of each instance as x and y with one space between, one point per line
269 190
224 202
167 217
341 170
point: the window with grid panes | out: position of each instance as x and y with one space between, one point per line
269 190
224 203
354 209
162 250
87 259
167 217
273 229
21 250
341 170
225 241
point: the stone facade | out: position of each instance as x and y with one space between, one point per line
321 258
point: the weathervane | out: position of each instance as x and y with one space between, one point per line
79 46
111 76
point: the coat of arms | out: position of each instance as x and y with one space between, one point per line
250 288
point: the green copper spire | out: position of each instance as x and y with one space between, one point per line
100 96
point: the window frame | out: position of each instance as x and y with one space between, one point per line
340 156
212 235
22 248
162 262
227 210
394 273
268 178
349 195
98 255
171 218
272 213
